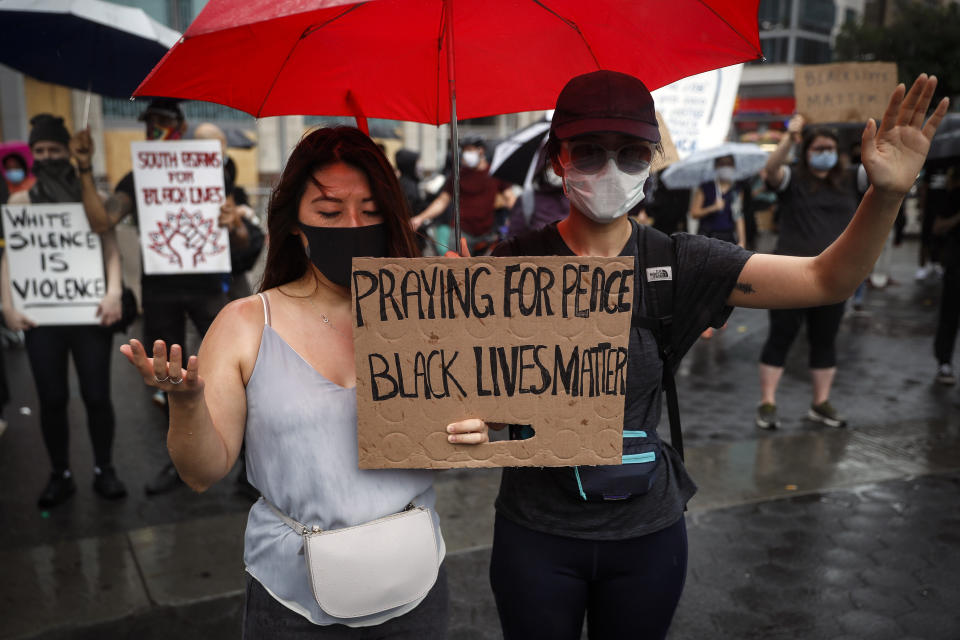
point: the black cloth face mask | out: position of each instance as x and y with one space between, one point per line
57 181
332 249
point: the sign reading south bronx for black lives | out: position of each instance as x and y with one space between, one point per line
530 341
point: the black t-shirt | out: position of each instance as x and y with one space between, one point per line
213 283
813 213
707 270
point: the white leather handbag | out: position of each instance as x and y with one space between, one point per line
371 567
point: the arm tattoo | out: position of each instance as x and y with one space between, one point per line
745 287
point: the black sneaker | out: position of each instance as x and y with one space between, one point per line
824 413
58 490
107 484
165 481
945 375
767 416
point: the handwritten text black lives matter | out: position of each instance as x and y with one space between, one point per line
543 365
56 263
183 236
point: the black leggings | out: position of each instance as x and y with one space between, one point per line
543 583
949 319
48 349
823 324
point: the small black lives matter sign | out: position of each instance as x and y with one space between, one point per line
528 341
56 263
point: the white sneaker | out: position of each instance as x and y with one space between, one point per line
945 375
922 273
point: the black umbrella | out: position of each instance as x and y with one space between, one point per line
89 45
515 157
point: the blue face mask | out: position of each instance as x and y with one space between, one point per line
15 176
823 160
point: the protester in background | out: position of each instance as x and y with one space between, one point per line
407 166
541 205
817 200
667 207
946 227
50 347
560 552
16 174
480 195
246 238
168 300
278 369
934 202
718 205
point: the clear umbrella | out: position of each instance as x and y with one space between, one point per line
698 168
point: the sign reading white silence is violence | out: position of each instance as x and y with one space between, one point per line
180 189
55 261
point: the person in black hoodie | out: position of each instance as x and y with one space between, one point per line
406 161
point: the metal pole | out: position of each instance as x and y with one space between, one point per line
454 137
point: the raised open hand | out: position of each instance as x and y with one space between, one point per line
164 374
894 154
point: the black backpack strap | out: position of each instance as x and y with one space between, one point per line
657 266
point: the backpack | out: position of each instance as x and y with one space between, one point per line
655 273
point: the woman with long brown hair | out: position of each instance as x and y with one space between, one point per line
277 369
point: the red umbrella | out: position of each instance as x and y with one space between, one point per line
421 60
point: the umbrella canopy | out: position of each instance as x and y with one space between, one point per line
401 59
515 157
84 44
435 61
697 168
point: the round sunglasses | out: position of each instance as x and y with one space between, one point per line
590 157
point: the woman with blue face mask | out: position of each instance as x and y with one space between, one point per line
817 198
564 551
15 173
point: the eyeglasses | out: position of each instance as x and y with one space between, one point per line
590 157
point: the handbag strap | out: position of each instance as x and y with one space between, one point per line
301 529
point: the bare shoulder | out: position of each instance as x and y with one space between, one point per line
240 317
235 334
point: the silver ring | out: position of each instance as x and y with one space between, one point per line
159 380
176 380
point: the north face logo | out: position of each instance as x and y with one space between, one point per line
656 274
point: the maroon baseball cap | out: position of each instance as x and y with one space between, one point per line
605 101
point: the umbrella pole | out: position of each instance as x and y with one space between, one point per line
454 136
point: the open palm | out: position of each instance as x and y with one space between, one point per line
894 154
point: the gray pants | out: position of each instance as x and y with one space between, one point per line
266 619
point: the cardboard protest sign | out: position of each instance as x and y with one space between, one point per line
179 192
698 109
843 92
55 261
531 341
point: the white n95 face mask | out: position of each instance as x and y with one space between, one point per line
471 159
605 196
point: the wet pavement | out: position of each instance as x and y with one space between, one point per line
804 532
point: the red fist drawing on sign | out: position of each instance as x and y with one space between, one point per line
186 236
